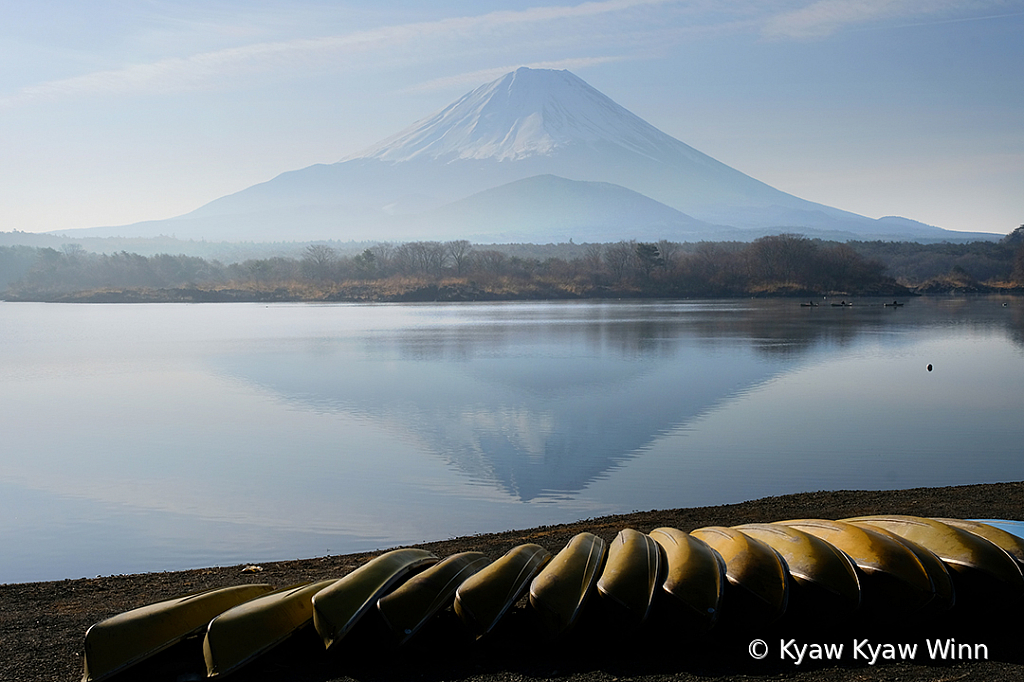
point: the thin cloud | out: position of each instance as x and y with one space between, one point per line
475 78
196 71
825 17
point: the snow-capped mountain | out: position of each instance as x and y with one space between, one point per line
526 113
596 171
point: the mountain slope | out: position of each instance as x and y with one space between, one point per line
527 124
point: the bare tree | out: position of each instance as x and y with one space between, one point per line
318 260
459 250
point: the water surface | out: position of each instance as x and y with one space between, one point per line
159 437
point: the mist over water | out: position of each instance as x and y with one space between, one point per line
159 437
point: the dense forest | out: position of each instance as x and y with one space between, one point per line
785 264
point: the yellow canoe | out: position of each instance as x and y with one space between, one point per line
562 588
242 633
408 608
632 573
121 641
1009 542
338 608
756 573
828 588
694 575
944 597
484 597
895 582
986 577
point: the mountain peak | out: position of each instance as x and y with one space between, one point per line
525 113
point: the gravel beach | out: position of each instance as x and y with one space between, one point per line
43 625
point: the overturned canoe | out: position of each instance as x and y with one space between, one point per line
631 574
896 583
562 588
408 608
755 572
942 582
338 608
826 581
131 637
484 597
1010 543
694 575
242 633
985 576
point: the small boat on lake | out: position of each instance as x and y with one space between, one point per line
487 595
758 581
117 643
248 630
632 573
409 607
694 576
894 304
337 609
563 587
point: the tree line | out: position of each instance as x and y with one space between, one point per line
773 265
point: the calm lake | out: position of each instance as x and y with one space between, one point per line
141 438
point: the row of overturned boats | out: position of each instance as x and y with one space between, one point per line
810 571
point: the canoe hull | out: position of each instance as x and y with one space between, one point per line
563 587
694 577
757 578
986 577
632 573
239 635
894 585
825 587
485 597
128 638
337 609
408 608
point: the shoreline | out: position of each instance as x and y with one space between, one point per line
43 624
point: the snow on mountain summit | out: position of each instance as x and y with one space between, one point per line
528 112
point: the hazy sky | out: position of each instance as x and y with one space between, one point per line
113 112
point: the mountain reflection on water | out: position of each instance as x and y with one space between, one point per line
157 437
541 400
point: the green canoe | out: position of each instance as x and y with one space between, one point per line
337 609
131 637
483 598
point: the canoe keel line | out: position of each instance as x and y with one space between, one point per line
803 572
